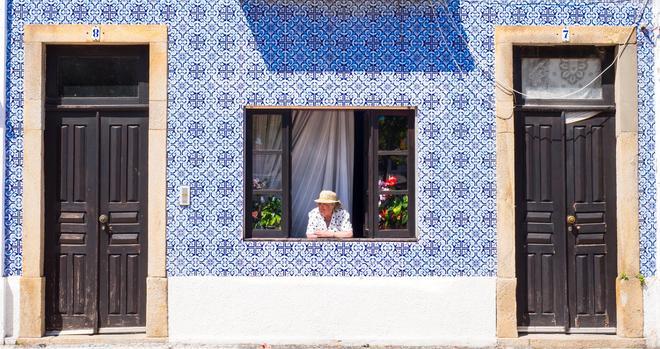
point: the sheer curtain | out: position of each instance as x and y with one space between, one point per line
321 159
562 78
267 135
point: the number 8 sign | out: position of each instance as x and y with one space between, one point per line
95 33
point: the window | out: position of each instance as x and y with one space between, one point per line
366 156
104 74
564 75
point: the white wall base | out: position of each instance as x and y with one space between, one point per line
11 289
652 312
296 310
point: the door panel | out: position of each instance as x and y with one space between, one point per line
541 262
96 163
123 240
591 190
71 211
566 271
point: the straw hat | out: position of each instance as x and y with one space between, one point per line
327 197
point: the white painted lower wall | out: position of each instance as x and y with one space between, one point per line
11 289
652 312
308 310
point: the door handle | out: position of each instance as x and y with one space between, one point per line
570 219
103 218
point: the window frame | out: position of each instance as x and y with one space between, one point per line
283 233
371 232
55 52
606 54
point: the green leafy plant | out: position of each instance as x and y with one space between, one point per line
394 213
642 279
268 213
393 209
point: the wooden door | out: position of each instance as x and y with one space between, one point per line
566 268
123 239
96 201
71 170
591 193
541 228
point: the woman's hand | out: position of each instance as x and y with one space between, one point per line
324 234
331 234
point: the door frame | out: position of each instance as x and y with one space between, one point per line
32 281
629 296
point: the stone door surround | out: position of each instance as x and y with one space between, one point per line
629 299
32 281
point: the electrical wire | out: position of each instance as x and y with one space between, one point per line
444 39
625 45
510 91
582 2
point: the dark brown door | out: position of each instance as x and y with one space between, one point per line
96 191
123 240
71 170
541 224
566 238
591 193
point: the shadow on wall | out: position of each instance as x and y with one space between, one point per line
354 35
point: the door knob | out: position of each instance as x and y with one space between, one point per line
103 218
570 219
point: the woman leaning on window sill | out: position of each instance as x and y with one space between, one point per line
328 219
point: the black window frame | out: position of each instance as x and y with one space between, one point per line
56 52
371 232
606 54
286 176
373 177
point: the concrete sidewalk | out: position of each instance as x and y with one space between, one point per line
125 341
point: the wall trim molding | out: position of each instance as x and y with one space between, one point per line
32 281
629 296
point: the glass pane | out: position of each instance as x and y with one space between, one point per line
98 76
267 171
561 78
267 132
392 172
392 132
266 212
393 211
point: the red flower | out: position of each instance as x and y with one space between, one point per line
391 181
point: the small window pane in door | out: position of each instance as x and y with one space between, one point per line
267 132
266 212
98 76
393 172
392 211
267 171
392 132
561 78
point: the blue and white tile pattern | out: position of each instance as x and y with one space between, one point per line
224 54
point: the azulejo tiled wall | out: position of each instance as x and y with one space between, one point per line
224 54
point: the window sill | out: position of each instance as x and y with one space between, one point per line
356 240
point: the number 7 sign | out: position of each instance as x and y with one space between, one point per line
565 34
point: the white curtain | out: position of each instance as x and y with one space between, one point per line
321 159
267 135
577 116
561 78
